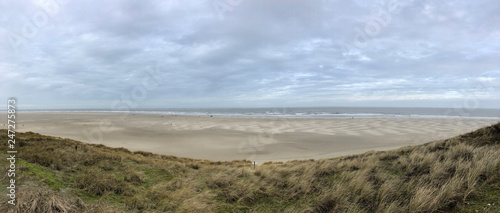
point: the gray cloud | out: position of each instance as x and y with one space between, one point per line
82 54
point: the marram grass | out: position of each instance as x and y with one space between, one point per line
457 174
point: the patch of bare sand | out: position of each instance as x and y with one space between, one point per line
258 139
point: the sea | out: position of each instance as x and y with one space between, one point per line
310 112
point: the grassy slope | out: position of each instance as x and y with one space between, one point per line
458 174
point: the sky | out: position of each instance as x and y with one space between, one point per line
125 54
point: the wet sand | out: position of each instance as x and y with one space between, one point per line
231 138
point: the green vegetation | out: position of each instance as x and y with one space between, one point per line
457 174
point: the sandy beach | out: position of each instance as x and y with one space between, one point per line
231 138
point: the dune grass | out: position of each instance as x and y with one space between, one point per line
457 174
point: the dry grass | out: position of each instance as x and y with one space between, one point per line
434 177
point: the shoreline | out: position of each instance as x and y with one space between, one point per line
256 139
270 115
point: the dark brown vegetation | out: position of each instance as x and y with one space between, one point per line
457 174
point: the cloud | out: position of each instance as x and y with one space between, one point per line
81 54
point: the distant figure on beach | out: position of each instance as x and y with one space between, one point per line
76 147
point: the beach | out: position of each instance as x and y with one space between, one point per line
256 139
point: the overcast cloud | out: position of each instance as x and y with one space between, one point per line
250 53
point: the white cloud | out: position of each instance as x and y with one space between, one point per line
263 53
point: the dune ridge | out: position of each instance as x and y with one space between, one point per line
456 174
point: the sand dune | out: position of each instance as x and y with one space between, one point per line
258 139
